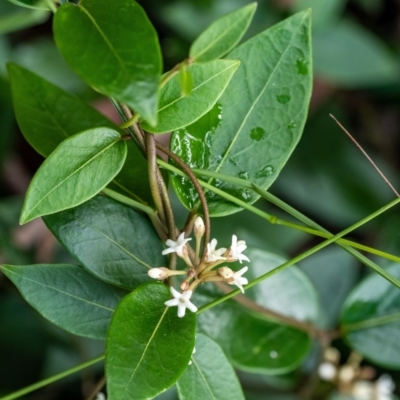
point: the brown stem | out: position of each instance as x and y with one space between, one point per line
97 388
198 188
138 135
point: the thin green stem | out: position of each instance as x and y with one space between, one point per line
130 122
52 6
273 219
373 322
308 253
54 378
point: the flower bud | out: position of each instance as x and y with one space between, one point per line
347 373
184 286
159 273
225 272
199 227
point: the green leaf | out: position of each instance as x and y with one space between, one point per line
186 80
47 114
210 376
348 55
36 4
67 296
111 240
21 19
371 319
251 342
113 47
209 82
148 347
222 35
76 171
259 118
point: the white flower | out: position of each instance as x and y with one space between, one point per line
384 387
327 371
199 227
176 247
182 300
238 280
363 390
213 254
236 249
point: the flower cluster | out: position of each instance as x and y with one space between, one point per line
353 380
201 268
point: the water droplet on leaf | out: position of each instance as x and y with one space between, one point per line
273 354
257 133
292 125
265 172
244 175
283 98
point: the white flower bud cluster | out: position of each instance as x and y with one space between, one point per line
201 269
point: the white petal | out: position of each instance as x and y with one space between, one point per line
181 310
241 271
191 306
172 302
167 251
186 295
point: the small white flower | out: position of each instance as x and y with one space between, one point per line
363 390
237 247
384 387
182 300
238 280
158 273
176 247
100 396
213 254
327 371
199 227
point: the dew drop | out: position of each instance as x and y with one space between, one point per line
283 98
265 172
302 68
234 160
273 354
257 133
245 194
244 175
292 125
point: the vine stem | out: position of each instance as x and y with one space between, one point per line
273 219
308 253
54 378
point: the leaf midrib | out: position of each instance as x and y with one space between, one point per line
203 378
372 322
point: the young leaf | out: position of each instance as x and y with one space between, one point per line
113 47
209 82
148 346
222 35
47 114
210 376
111 240
371 319
67 296
76 171
261 115
251 342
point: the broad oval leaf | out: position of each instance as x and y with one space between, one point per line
113 47
222 35
209 82
46 113
148 346
76 171
371 319
67 296
111 240
210 375
260 116
250 342
36 4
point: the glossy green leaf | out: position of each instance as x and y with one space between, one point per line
258 120
67 296
111 240
37 4
76 171
371 319
348 55
210 375
251 342
222 35
47 114
113 47
288 293
209 82
148 346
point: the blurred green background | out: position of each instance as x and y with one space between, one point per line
357 78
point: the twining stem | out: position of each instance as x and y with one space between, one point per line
273 219
318 229
131 121
97 388
158 226
54 378
187 171
308 253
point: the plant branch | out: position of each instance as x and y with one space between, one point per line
54 378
